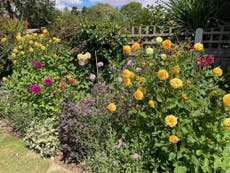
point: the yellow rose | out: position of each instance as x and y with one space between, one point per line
159 39
176 83
4 79
138 95
227 123
175 70
19 37
166 44
217 71
188 82
22 52
173 139
171 120
149 51
111 107
31 42
44 31
162 74
43 47
151 103
127 82
226 100
13 55
31 49
126 73
20 47
163 56
15 51
3 40
127 49
135 46
198 47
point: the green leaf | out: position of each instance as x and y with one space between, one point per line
180 169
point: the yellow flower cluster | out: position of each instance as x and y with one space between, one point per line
83 58
127 76
227 123
171 120
4 39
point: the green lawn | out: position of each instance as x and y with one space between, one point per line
16 158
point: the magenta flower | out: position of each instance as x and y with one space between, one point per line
130 63
37 64
210 59
135 156
92 76
34 88
100 64
48 81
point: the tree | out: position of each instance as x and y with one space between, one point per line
37 12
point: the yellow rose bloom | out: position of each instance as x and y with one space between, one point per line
188 82
111 107
31 42
175 70
159 40
171 120
22 52
127 82
176 83
143 90
31 49
173 139
20 47
162 74
198 47
3 40
126 73
19 37
217 71
44 31
135 46
184 96
54 56
149 51
226 100
43 48
15 51
138 95
163 56
4 79
166 44
127 49
13 55
151 103
227 123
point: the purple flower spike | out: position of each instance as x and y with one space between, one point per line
48 81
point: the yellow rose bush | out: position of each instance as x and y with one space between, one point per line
177 110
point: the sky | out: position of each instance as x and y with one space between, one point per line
61 4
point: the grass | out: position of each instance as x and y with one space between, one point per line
16 158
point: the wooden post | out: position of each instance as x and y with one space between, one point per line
199 35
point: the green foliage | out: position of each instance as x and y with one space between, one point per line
37 13
43 137
102 13
193 14
104 39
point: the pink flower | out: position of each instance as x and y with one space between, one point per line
92 76
37 64
135 156
210 59
100 64
138 69
119 79
119 143
36 89
48 81
130 63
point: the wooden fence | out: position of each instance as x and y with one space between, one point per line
216 40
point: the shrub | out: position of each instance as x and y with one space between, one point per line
43 137
169 109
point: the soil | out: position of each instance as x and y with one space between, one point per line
6 127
